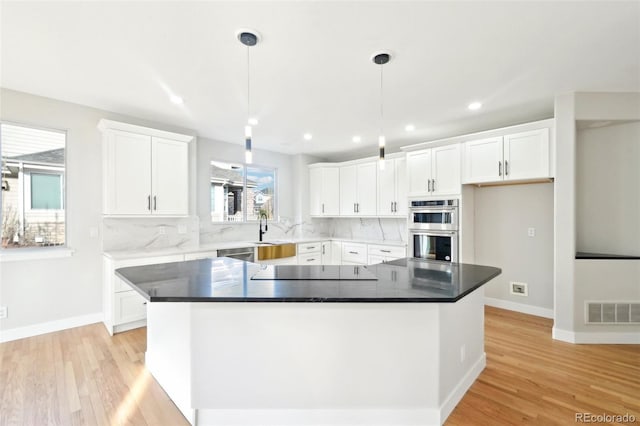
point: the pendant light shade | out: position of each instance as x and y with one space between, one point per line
381 58
249 38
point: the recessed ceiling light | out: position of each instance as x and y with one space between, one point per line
176 100
307 136
356 139
474 106
253 121
409 127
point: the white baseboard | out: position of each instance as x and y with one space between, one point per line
597 337
462 387
519 307
48 327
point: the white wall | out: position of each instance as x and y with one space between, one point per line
38 291
503 215
574 284
608 189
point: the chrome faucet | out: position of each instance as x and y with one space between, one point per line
266 227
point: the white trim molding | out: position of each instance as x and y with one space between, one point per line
34 253
598 337
519 307
462 387
48 327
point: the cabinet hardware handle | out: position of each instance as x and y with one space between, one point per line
354 207
395 206
353 252
322 249
357 207
310 260
144 303
428 185
499 168
149 202
155 205
311 247
506 167
392 207
433 185
322 207
386 251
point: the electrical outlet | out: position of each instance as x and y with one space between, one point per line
531 232
182 229
519 289
4 312
463 353
162 230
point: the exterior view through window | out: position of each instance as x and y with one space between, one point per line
242 193
33 186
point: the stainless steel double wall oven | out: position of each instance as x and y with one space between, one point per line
433 229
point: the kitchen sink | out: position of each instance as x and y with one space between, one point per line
275 250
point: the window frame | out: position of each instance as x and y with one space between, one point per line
37 252
245 220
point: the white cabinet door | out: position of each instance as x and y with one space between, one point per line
445 172
418 172
386 188
366 190
170 171
310 259
127 174
348 190
483 160
315 191
331 191
129 306
326 258
336 253
526 155
401 206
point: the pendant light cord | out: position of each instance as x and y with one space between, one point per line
381 102
248 87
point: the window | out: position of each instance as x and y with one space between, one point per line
240 193
33 186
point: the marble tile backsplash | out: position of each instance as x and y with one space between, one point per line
368 229
164 233
149 233
286 228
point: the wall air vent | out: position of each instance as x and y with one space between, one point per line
612 312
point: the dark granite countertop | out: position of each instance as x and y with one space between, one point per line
230 280
583 255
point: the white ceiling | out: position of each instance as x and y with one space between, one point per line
312 71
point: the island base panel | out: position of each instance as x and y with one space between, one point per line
316 363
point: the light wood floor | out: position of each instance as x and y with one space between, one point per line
84 376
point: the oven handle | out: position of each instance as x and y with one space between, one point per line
438 210
424 232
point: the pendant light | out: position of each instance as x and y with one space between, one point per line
249 38
381 58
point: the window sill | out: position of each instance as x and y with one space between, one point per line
35 253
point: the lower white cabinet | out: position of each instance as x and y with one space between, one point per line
354 253
123 308
377 253
129 306
310 259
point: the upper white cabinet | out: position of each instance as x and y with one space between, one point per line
358 189
324 193
513 157
392 188
434 171
145 171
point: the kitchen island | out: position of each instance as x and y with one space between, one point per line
233 342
